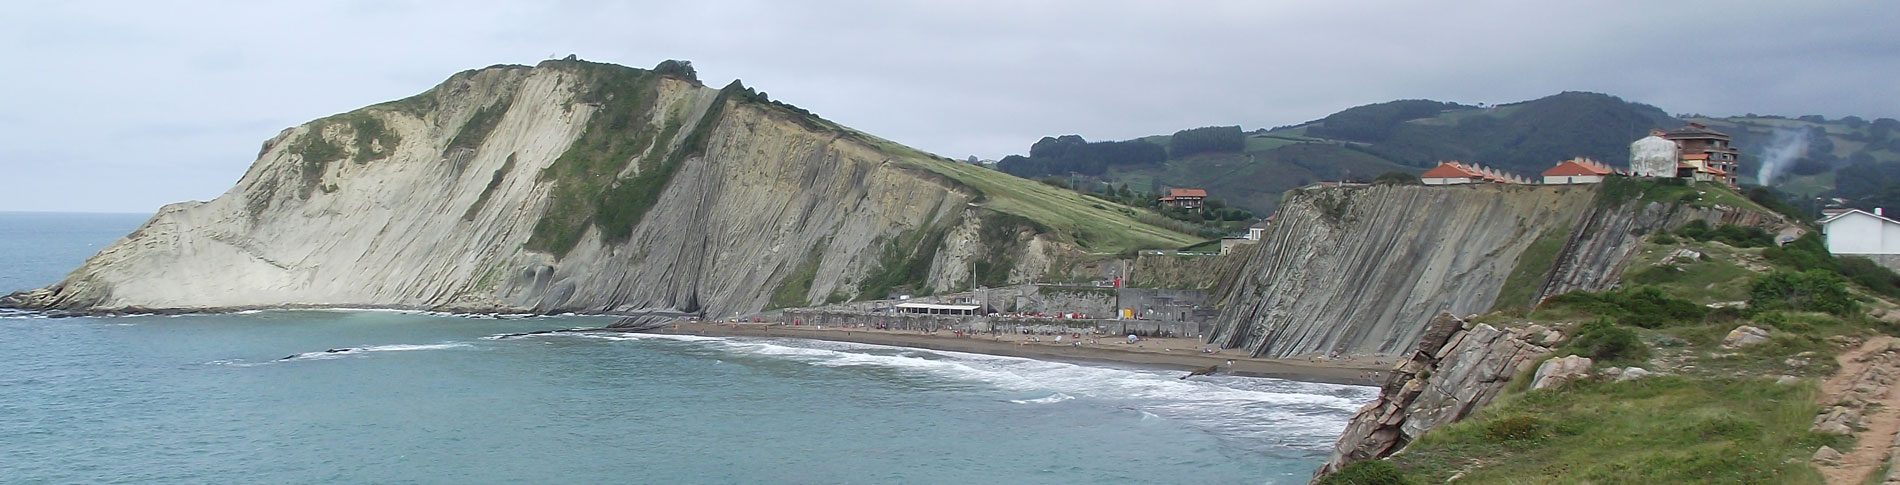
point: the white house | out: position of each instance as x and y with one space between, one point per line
1859 233
1653 156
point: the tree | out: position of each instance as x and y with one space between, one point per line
677 68
1211 139
1396 178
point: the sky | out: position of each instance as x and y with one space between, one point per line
127 106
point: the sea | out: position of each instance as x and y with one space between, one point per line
361 396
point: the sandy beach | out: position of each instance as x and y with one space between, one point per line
1172 353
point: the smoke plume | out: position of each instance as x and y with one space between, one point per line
1786 146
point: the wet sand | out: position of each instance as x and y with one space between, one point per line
1171 353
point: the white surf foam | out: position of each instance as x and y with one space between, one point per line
1052 399
347 351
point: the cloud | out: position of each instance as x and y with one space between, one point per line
180 95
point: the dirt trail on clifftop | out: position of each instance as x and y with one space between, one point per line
1883 421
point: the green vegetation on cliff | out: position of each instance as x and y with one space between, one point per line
1710 413
1533 267
476 129
1667 429
587 189
792 290
904 263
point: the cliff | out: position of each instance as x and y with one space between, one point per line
1359 270
574 186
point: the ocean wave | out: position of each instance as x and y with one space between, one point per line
1251 408
347 351
1052 399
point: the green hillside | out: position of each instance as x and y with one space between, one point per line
1849 157
1360 143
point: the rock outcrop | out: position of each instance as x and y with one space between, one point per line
582 187
1556 372
1452 372
1744 336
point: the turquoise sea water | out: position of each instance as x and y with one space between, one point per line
423 398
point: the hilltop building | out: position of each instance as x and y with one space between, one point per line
1653 156
1456 173
1858 233
1704 153
1691 152
1184 198
1577 171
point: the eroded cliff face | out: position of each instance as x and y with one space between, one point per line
568 186
1359 270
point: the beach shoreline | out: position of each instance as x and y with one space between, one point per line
1169 353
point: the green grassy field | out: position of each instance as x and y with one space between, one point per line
1093 224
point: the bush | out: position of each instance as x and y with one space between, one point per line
1397 178
1369 472
1519 427
1696 229
1642 306
1866 273
1664 239
1808 252
1733 235
1812 290
1604 341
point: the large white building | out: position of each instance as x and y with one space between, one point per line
1653 156
1858 233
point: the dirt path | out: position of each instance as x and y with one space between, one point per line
1870 450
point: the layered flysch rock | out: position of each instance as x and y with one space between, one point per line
1456 368
568 186
1358 270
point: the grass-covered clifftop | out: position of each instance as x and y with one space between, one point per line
1710 413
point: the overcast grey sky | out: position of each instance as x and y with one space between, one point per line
129 106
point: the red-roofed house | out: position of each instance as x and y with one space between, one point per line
1454 173
1451 173
1184 198
1577 171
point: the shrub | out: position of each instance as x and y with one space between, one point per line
1642 306
1805 253
1813 290
1664 239
1866 273
1396 178
1696 229
1604 341
1369 472
1520 427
